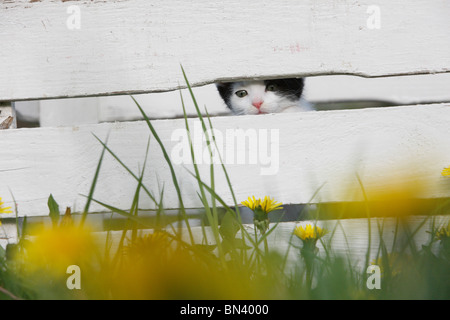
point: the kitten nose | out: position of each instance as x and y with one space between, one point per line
257 103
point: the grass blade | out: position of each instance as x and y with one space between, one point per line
94 183
128 169
183 215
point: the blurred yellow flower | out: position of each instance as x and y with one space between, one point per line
309 232
446 172
157 266
52 250
267 205
400 196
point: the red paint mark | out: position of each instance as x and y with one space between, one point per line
295 48
292 48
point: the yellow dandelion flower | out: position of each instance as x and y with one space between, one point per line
446 172
309 232
251 203
443 233
4 209
267 204
260 209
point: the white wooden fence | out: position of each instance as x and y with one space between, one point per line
54 49
331 90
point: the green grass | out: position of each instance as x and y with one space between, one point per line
225 259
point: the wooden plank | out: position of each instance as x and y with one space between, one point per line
286 156
401 90
333 91
83 48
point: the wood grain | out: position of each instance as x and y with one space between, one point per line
133 46
323 150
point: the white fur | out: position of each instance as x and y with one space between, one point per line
272 102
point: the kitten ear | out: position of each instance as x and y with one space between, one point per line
221 86
224 89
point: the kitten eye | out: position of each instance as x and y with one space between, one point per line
241 93
271 87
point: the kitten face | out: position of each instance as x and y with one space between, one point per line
265 96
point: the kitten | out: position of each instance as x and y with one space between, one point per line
264 96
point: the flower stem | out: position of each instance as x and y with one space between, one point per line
266 246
